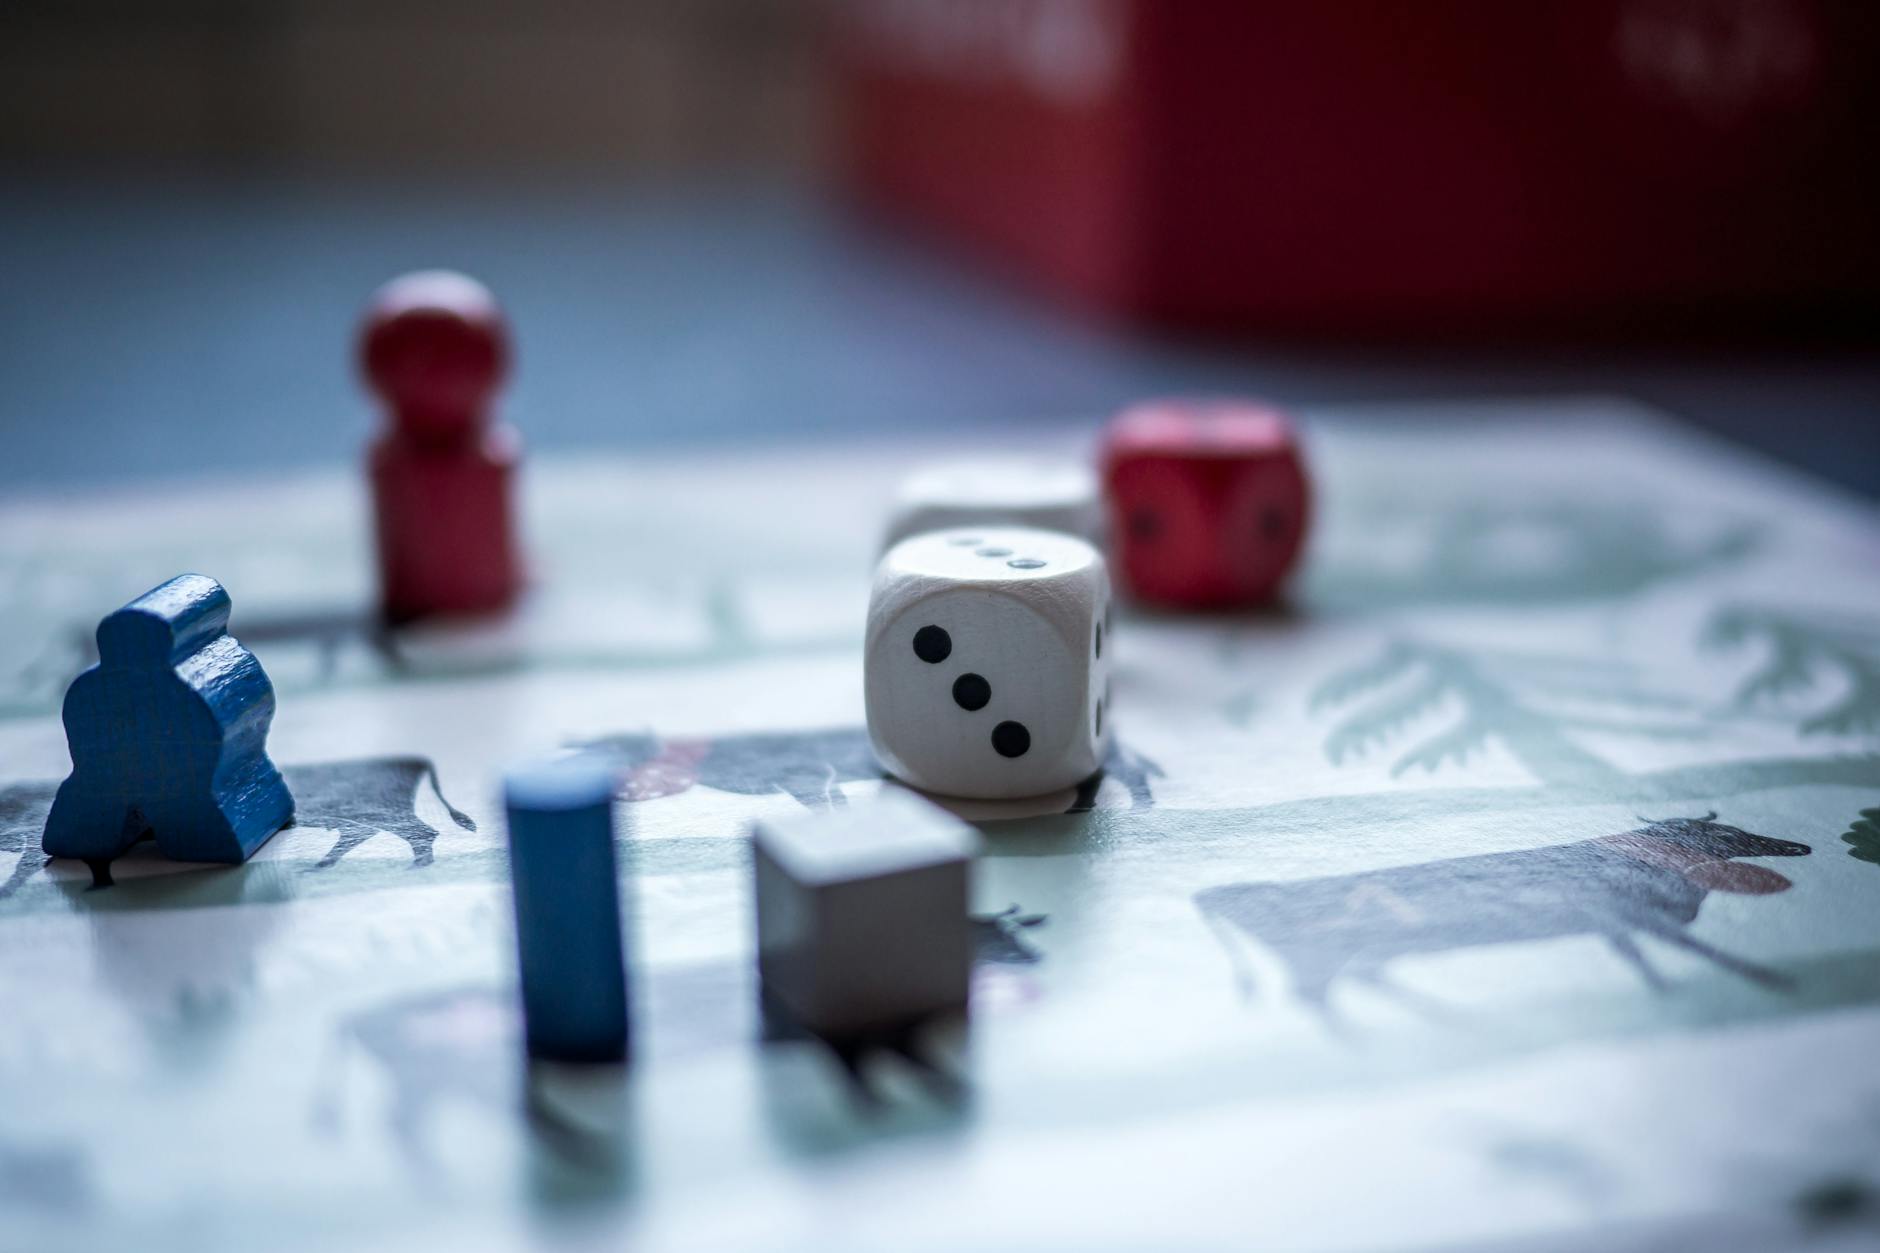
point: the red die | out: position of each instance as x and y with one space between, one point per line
1208 501
435 349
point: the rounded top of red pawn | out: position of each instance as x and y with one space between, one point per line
435 347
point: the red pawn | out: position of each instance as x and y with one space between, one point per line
1208 501
435 350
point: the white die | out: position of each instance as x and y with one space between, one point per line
1042 492
986 670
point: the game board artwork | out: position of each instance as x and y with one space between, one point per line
454 1045
1862 836
999 939
1649 881
355 800
1502 698
1803 655
51 1180
1488 554
1511 867
809 766
1539 708
23 810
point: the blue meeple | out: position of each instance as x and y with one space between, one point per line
168 735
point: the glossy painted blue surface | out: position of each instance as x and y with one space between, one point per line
168 735
561 860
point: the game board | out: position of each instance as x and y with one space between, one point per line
1506 889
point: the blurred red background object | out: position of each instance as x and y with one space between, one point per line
1368 165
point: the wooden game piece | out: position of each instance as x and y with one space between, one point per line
862 913
168 735
1051 495
568 932
985 669
435 350
1208 501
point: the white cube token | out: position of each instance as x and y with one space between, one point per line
1047 493
862 913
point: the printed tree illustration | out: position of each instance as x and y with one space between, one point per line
1533 552
1533 706
1863 836
1805 654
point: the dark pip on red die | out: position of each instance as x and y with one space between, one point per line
1208 501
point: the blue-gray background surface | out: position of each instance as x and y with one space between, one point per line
162 325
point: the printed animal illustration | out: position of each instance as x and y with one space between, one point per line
1649 881
455 1044
999 939
358 799
809 766
52 1178
354 799
23 810
458 1044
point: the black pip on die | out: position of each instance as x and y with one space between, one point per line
986 670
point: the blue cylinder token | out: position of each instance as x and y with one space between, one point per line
568 933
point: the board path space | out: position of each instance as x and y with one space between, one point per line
1499 882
